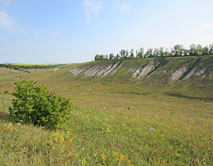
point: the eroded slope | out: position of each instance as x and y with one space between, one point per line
172 69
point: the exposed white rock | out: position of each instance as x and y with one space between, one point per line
145 71
141 71
136 72
178 74
201 72
77 70
203 76
211 74
92 71
106 69
130 71
190 73
103 70
113 69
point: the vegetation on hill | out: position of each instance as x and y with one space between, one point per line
116 121
24 66
178 50
35 104
161 71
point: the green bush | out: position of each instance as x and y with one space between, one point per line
33 103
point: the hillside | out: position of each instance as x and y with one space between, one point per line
131 112
172 68
189 76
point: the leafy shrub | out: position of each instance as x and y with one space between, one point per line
156 66
6 92
33 103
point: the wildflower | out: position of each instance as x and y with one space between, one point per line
123 157
108 130
51 142
103 157
63 143
84 162
69 154
129 163
115 154
162 162
8 128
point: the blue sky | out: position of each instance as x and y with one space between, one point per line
70 31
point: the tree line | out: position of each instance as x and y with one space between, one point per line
177 51
19 66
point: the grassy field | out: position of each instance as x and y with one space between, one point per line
115 122
2 78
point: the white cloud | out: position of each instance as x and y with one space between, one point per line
6 22
94 7
4 3
123 6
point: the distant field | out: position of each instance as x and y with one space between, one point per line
2 78
115 122
28 66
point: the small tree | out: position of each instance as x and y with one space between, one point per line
98 57
193 50
111 56
211 49
199 50
141 52
162 52
206 50
33 103
178 49
132 54
149 53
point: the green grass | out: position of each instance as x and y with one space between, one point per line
115 122
4 77
103 137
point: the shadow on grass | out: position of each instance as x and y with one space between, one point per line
206 99
134 93
5 117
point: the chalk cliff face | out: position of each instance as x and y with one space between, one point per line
142 71
178 73
173 68
98 69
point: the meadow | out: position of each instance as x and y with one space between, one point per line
114 122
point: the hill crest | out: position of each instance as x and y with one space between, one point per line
171 68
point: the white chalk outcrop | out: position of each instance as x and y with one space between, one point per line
140 72
178 73
98 70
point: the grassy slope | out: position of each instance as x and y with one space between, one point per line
117 121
